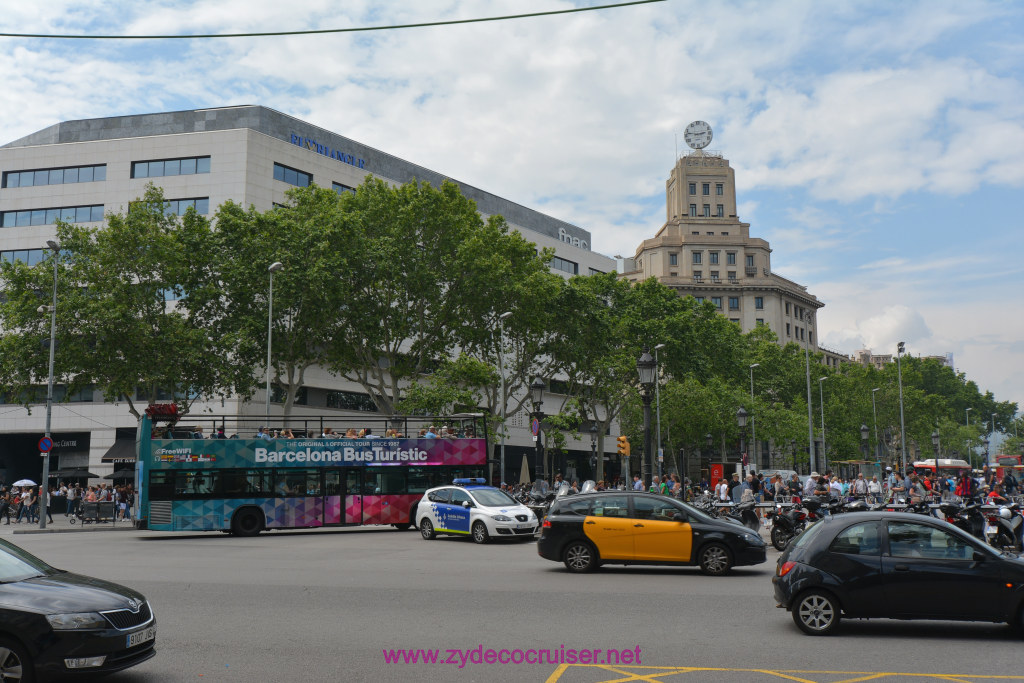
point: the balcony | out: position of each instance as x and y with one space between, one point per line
751 271
698 279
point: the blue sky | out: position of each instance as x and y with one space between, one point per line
878 146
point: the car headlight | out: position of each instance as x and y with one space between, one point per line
501 518
67 622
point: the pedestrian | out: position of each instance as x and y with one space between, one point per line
810 484
860 487
637 484
875 487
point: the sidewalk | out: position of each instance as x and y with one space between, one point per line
60 524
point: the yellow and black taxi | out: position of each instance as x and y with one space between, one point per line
625 527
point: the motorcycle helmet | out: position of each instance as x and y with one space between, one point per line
1005 513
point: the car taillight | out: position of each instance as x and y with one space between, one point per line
785 568
547 523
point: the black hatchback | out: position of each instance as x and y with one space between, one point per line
55 624
897 566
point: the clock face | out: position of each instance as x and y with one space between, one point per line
698 135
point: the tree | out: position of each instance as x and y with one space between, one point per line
118 327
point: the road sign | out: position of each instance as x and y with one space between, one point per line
45 444
535 426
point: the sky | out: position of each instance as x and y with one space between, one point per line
878 146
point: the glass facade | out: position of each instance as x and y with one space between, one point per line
55 176
170 167
68 214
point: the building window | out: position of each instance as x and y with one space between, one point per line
342 189
787 308
810 337
725 233
178 207
714 258
351 400
292 176
693 188
750 261
693 211
730 257
565 265
695 232
732 275
68 214
759 303
699 299
595 271
55 176
714 276
719 189
707 211
707 188
759 321
720 210
734 320
788 330
29 257
697 258
170 167
734 303
717 301
673 259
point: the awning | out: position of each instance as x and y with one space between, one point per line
122 450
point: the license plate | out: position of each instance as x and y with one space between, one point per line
990 530
524 526
143 636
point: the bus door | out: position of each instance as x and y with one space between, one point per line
352 495
333 496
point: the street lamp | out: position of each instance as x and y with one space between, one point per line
593 449
967 420
537 398
984 444
864 439
753 424
657 404
44 486
821 396
501 370
900 348
741 421
810 414
645 369
874 422
935 442
272 268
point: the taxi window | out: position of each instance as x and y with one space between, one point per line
909 539
575 507
459 497
859 539
611 506
652 508
439 496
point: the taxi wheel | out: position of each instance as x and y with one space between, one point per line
427 529
816 613
580 557
15 663
480 534
715 559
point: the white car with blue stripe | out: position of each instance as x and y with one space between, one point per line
470 508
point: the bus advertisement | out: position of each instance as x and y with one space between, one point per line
246 485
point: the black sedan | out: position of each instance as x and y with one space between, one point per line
898 566
624 527
55 624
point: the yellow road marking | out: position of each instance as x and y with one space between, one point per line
656 674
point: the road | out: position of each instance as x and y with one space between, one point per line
323 605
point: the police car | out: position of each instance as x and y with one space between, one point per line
470 508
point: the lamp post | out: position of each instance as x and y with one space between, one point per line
935 442
501 370
537 397
968 449
984 444
810 414
657 405
874 422
645 369
593 448
864 439
272 268
821 396
900 348
44 486
753 423
741 421
710 440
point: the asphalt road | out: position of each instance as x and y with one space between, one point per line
323 605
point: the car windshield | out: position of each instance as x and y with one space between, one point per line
16 564
493 498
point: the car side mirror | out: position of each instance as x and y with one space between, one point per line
466 504
978 557
679 517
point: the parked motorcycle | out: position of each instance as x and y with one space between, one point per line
744 514
1005 528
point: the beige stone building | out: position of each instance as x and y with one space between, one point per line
703 250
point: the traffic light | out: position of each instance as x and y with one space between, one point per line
623 446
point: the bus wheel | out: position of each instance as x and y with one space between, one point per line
405 526
247 522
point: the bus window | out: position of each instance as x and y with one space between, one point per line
422 478
161 485
352 484
196 484
297 483
385 480
332 483
245 483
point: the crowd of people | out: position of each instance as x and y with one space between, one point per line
23 502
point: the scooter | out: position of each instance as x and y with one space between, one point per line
1005 528
745 515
